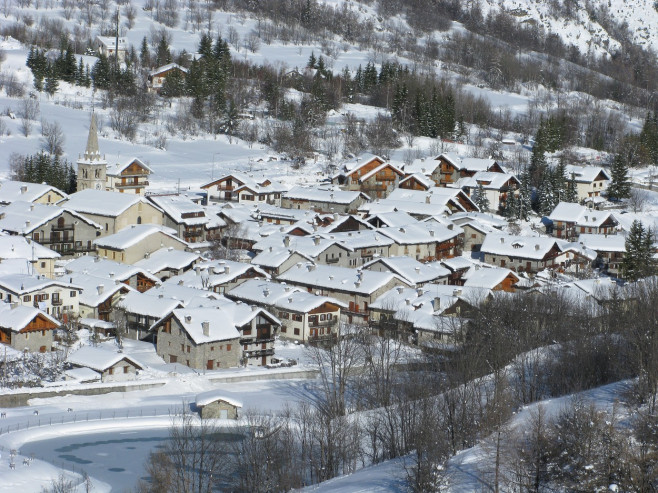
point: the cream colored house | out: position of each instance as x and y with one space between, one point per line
113 211
137 242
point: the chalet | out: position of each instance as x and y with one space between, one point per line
417 181
99 295
158 76
355 248
168 262
412 271
522 253
113 366
278 215
55 297
497 187
137 312
32 257
35 193
113 211
238 187
375 178
107 45
218 276
188 219
610 249
136 241
446 169
474 234
304 316
590 180
27 328
458 267
222 336
423 204
425 241
323 200
569 220
215 405
109 270
66 232
493 278
130 177
356 288
394 219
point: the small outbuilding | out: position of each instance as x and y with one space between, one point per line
212 405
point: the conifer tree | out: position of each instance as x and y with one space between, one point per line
101 73
638 260
571 190
145 54
620 186
311 61
52 83
480 198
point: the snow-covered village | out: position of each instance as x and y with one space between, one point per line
328 246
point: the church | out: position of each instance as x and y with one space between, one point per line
95 173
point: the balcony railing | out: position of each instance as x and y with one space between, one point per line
56 302
333 260
57 227
259 353
140 184
324 323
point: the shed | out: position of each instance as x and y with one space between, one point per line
213 405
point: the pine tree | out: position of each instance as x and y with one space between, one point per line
649 137
638 260
620 186
480 198
311 61
52 84
100 73
162 53
546 198
145 54
523 201
571 190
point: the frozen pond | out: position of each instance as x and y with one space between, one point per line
116 458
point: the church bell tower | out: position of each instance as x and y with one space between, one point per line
92 168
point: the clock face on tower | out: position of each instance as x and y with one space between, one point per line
98 186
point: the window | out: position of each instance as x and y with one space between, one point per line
188 349
182 347
43 265
228 347
296 331
283 329
27 298
212 348
173 358
111 371
125 369
247 332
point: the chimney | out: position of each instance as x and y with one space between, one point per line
27 224
227 269
432 233
502 240
310 267
335 216
206 328
24 189
537 247
188 319
161 296
97 258
357 284
427 199
290 299
456 292
451 226
407 301
316 240
436 304
111 275
266 292
31 207
286 241
419 292
400 289
254 308
417 269
287 289
181 282
402 230
270 248
100 288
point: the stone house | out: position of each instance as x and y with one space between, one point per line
26 328
33 257
214 405
569 220
323 200
522 253
110 271
610 250
113 366
138 312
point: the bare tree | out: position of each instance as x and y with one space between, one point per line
52 138
28 112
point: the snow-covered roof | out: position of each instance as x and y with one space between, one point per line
101 202
334 278
323 195
95 323
21 284
147 305
18 247
207 275
410 269
22 218
11 191
180 209
456 263
99 358
580 215
376 170
488 179
134 234
211 396
96 290
518 246
274 257
486 277
419 233
392 219
107 269
223 322
585 174
422 166
167 258
18 317
282 296
493 220
109 42
468 163
166 68
189 296
253 182
420 178
117 168
354 240
603 243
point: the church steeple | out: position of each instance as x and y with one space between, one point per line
92 153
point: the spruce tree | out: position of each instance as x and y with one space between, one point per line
480 198
638 260
101 73
571 190
311 61
52 84
523 201
145 54
620 186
